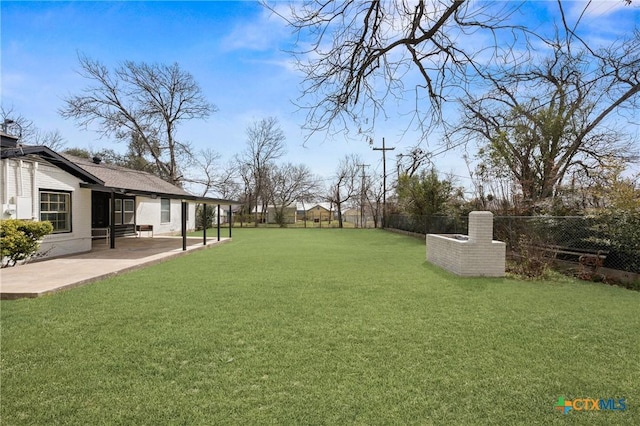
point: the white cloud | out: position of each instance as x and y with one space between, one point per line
258 33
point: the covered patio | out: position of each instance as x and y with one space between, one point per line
53 275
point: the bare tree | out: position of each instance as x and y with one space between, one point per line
409 163
543 121
495 190
375 198
346 184
227 185
18 125
357 55
289 183
204 170
265 144
213 179
247 192
52 139
314 193
142 101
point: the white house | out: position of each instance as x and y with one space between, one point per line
141 199
86 199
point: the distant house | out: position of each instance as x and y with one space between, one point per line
86 199
357 216
351 215
269 214
300 210
319 212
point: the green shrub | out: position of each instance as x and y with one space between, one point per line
20 239
619 232
211 216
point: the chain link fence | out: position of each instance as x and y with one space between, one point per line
569 235
566 237
429 224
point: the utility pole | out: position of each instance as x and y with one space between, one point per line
362 195
384 149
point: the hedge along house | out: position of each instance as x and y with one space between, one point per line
86 199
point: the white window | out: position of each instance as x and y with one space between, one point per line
125 211
165 210
129 211
56 208
118 211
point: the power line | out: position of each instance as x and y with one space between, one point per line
384 149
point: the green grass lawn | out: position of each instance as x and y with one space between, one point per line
295 326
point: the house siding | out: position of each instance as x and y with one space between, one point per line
21 200
148 213
318 213
288 212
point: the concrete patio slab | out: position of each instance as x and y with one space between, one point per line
49 276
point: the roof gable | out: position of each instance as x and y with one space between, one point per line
8 141
324 206
52 157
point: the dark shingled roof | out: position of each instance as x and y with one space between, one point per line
121 177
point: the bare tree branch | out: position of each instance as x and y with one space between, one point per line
265 144
545 119
144 102
356 54
28 132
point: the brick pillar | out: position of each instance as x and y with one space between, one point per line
480 227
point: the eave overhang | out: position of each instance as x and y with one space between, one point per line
155 194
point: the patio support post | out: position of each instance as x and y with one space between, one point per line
230 220
184 225
112 222
204 224
218 222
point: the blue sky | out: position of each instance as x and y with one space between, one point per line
235 51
